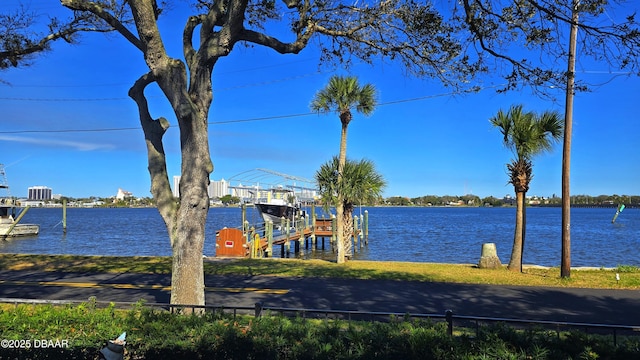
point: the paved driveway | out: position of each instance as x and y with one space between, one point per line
616 307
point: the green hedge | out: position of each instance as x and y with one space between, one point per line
157 334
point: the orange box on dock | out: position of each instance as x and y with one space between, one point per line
231 243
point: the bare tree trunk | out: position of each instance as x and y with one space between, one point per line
565 263
515 263
187 278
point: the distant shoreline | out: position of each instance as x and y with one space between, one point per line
579 206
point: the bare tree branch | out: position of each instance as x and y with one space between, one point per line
259 38
538 25
18 42
154 131
99 11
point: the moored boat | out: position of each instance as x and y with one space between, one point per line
280 203
11 213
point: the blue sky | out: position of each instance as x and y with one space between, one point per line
422 138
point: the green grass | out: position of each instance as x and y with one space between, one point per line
72 263
401 271
158 334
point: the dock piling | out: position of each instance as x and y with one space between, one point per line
64 216
361 232
365 227
355 232
287 243
244 215
313 227
300 227
253 247
269 231
334 232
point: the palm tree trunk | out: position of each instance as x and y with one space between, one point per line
342 160
340 230
348 231
515 263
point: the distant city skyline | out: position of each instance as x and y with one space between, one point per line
219 188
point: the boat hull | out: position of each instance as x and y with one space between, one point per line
275 213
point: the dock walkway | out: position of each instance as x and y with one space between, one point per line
258 242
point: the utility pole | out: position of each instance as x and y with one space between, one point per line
565 266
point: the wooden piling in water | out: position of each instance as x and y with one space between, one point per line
269 231
64 216
334 232
300 226
244 216
365 227
253 247
313 227
355 232
360 232
287 242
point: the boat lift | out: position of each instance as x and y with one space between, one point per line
249 185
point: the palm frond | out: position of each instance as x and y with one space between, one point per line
344 93
526 133
361 183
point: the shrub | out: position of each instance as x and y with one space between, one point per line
159 334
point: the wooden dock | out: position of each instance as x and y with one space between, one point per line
260 242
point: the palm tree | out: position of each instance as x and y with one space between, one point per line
361 183
341 95
526 134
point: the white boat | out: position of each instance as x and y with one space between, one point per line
279 203
275 195
11 213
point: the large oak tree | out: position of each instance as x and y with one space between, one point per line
412 33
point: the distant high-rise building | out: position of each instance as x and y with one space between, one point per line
218 189
241 191
39 193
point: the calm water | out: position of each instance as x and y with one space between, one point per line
453 235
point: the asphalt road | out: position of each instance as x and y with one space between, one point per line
596 306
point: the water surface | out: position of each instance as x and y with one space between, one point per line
434 234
